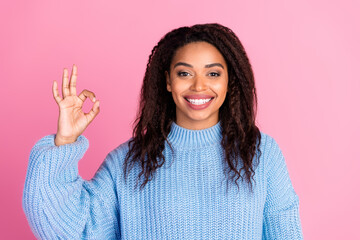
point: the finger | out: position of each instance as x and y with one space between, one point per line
86 93
65 86
93 112
56 92
73 81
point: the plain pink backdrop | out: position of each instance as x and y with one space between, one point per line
305 56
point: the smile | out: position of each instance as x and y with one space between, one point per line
198 101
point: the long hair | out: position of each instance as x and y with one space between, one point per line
240 136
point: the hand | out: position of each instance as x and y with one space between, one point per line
72 120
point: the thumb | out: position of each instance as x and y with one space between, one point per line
93 112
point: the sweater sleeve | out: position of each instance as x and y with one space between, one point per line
59 204
281 210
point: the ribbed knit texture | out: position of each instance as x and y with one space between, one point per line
186 199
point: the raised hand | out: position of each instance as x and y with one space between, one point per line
72 120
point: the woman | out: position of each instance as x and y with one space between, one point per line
195 128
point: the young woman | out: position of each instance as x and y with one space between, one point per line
195 128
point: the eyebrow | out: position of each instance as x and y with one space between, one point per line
206 66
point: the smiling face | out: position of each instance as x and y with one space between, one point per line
198 81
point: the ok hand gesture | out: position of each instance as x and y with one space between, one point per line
72 120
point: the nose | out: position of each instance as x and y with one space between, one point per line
199 84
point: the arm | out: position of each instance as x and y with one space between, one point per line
58 203
281 211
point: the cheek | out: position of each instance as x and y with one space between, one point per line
221 89
176 95
179 86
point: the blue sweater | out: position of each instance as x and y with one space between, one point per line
186 199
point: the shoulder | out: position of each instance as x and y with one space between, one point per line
121 150
115 158
268 143
270 148
273 157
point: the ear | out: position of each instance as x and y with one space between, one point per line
168 85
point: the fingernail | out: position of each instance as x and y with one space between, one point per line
94 99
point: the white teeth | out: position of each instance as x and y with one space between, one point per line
198 101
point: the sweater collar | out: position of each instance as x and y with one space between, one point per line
187 138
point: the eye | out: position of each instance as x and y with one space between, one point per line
214 74
183 74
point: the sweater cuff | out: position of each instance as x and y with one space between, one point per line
64 155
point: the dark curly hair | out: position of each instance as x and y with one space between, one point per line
240 136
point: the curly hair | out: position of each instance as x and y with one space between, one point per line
240 136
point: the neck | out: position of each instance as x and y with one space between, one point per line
194 138
196 125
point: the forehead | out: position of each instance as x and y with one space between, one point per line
198 52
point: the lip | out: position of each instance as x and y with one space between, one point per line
199 107
198 96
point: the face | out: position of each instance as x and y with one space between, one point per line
198 81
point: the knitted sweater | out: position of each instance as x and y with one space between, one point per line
186 199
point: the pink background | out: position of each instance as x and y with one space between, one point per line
305 56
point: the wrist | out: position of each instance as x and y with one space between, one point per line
62 140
